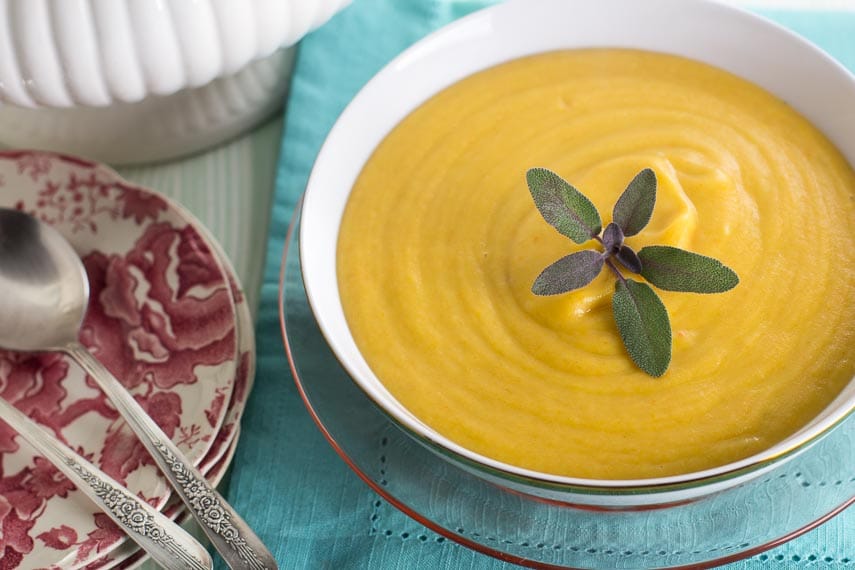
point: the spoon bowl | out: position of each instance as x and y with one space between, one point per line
44 284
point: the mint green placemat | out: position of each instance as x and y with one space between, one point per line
291 487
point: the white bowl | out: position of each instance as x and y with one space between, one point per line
140 80
739 42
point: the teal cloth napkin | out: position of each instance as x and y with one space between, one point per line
292 488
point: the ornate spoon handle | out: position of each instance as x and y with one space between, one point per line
230 535
167 543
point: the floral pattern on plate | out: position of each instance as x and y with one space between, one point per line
245 375
161 317
219 457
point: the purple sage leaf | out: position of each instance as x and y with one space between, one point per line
612 238
629 259
675 269
562 206
635 206
644 325
568 273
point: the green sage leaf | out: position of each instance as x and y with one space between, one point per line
562 206
643 325
629 259
568 273
675 269
635 206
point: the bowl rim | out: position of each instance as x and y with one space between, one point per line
422 50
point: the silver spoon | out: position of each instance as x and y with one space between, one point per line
44 291
168 544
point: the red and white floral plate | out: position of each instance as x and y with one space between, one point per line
164 316
215 465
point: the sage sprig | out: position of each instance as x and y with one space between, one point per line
639 313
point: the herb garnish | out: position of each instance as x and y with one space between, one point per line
641 317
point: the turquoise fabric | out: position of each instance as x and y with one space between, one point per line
291 487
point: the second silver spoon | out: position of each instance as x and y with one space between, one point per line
167 543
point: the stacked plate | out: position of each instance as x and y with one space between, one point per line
168 318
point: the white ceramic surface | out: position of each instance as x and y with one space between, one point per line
96 53
129 81
157 127
754 48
